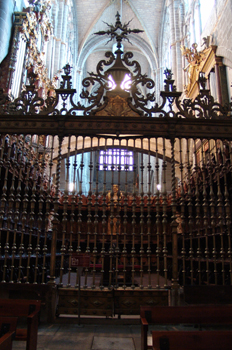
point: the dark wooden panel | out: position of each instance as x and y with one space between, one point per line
192 340
107 303
99 303
127 302
44 292
210 294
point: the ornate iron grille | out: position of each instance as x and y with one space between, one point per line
166 222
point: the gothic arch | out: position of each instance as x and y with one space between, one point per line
95 42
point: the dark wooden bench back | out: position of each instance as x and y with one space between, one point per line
19 308
189 314
6 341
23 308
193 314
7 324
7 332
192 340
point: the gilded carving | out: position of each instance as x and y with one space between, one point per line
129 302
117 106
37 29
97 303
74 302
194 59
198 62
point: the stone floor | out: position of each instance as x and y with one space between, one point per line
86 337
97 336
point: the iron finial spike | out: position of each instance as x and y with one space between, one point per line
118 31
118 18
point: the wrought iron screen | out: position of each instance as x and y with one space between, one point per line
163 219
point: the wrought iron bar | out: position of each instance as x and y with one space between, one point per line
118 218
72 215
133 251
125 219
104 217
218 168
65 214
205 212
27 167
21 167
197 208
174 227
164 214
79 215
182 215
12 198
2 207
212 212
96 216
190 213
34 166
227 204
149 252
141 251
49 213
89 208
4 201
229 230
158 223
112 245
56 220
42 182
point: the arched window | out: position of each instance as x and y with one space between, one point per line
116 157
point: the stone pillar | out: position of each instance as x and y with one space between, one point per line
63 48
198 15
177 21
58 36
173 39
221 81
52 42
218 81
182 43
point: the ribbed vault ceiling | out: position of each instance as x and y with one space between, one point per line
91 15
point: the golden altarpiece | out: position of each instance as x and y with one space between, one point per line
105 204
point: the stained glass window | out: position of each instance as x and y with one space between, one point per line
113 159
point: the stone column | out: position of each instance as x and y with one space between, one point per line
173 39
182 14
58 36
198 15
221 81
63 48
218 80
177 21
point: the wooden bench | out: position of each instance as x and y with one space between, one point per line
176 315
6 341
192 340
7 332
23 308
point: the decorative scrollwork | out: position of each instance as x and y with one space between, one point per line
203 107
138 98
29 102
95 98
